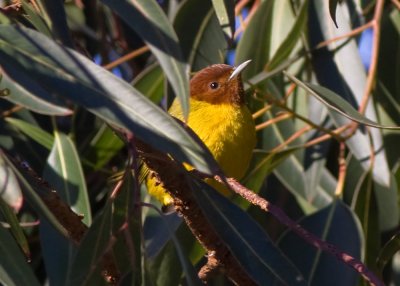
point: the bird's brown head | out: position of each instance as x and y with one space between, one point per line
218 84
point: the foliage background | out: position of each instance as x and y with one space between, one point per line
59 107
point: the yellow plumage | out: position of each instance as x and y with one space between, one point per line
219 116
227 130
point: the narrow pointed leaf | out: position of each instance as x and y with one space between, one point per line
337 103
14 269
71 75
15 228
256 40
248 242
87 264
337 225
287 46
32 193
64 173
10 191
34 132
225 10
24 91
332 10
154 28
365 206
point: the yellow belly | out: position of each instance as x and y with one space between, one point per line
227 130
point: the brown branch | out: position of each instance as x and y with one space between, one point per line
310 238
174 179
72 223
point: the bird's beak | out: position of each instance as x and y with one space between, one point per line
239 69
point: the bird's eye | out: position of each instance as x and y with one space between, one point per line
214 85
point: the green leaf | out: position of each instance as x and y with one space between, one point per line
16 230
58 21
57 252
337 103
337 225
64 173
225 10
71 75
34 132
256 40
157 230
103 147
14 269
202 41
147 19
10 191
388 251
150 82
33 191
37 21
287 46
339 68
247 241
365 206
24 91
87 266
332 10
266 163
127 227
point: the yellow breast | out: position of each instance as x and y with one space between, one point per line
226 129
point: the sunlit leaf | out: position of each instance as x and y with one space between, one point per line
286 47
337 103
10 191
110 98
225 10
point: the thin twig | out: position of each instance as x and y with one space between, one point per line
342 170
127 57
274 120
310 238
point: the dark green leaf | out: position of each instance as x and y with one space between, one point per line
266 163
64 173
388 251
16 230
34 132
24 91
150 82
255 42
33 191
225 10
87 265
14 269
154 28
332 10
202 41
365 206
337 225
247 241
110 98
103 147
36 19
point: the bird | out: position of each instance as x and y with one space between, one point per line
219 116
